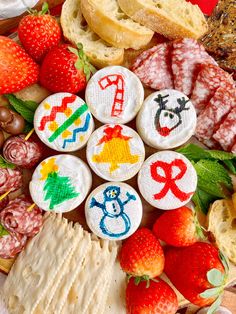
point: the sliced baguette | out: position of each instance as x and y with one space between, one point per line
107 20
222 224
76 30
171 18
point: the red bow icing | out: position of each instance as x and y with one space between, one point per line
168 179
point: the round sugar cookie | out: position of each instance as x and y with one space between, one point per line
60 183
167 119
114 95
63 122
167 180
115 152
113 211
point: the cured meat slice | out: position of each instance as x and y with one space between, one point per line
11 244
226 134
155 70
21 152
209 79
187 54
210 118
4 202
18 219
143 56
10 179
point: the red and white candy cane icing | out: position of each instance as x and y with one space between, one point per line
167 180
114 95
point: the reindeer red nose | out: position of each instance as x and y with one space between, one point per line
164 131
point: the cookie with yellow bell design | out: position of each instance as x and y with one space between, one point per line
63 122
115 152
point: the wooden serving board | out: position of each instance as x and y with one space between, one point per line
150 213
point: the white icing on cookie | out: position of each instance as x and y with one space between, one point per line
114 95
167 119
113 211
167 180
63 122
60 183
115 152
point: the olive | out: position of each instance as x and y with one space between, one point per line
2 138
5 114
16 126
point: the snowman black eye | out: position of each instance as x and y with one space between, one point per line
171 115
166 114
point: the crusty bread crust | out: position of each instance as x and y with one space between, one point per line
74 27
171 18
107 20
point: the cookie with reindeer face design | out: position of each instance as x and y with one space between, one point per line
167 119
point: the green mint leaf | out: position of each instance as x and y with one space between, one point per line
220 155
193 152
3 231
214 307
28 127
209 293
31 105
224 261
20 107
231 165
211 176
5 164
215 277
202 200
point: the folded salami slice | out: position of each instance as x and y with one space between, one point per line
11 244
187 54
153 67
18 219
10 179
226 134
209 79
210 118
21 152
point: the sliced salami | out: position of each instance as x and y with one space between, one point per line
226 134
142 57
187 54
21 152
11 244
10 179
210 118
155 70
4 202
17 217
209 79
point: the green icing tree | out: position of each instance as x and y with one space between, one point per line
58 189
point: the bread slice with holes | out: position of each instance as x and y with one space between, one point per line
107 20
222 225
76 30
171 18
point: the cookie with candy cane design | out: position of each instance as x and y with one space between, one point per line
113 211
114 95
115 152
60 183
63 122
167 180
167 119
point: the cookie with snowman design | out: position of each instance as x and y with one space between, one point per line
63 122
113 211
167 180
115 152
114 95
167 119
60 183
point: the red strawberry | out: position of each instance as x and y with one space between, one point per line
198 271
142 255
65 69
17 69
158 298
39 32
178 227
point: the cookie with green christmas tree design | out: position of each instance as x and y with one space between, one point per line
60 183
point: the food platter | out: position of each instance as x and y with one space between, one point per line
150 213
